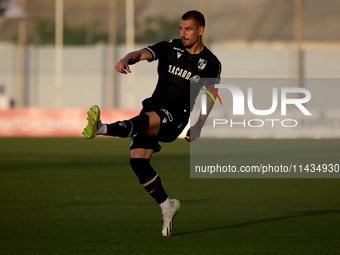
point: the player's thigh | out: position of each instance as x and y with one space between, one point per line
154 123
141 153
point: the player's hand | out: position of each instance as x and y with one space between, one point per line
123 67
193 133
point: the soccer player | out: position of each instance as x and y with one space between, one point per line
166 112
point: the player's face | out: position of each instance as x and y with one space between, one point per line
190 33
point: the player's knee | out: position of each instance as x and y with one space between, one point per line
140 124
143 170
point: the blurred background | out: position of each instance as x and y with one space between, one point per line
59 55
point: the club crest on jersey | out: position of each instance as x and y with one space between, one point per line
201 64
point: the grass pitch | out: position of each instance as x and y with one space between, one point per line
77 196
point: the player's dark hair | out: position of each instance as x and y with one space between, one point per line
196 16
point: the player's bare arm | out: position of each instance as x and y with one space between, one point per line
123 67
194 132
130 59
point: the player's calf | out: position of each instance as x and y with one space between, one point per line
148 178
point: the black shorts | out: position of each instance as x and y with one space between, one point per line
173 121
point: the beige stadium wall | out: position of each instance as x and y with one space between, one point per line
85 74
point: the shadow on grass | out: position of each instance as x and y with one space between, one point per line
248 223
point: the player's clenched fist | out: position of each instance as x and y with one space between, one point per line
122 67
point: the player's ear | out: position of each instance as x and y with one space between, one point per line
200 30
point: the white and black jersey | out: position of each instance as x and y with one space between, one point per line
177 67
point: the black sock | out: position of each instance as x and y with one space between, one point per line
126 128
156 190
149 179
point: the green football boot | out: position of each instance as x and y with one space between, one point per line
93 121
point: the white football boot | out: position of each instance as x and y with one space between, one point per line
169 216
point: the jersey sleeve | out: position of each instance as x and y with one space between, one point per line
159 50
218 75
215 76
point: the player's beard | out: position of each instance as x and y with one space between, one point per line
190 45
